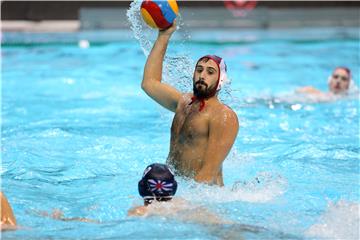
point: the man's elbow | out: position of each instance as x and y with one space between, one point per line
149 87
146 87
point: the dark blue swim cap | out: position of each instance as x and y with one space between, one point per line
158 182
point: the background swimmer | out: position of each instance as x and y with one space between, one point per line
339 83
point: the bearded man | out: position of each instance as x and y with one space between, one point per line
203 129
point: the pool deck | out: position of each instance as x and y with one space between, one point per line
41 26
195 18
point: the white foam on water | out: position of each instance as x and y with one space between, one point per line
54 133
339 221
263 188
236 158
295 98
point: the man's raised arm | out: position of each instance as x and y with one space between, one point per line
164 94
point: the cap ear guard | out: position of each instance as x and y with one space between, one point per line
143 188
146 171
223 74
174 188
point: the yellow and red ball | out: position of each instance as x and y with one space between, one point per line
159 14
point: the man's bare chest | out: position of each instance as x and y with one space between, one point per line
190 125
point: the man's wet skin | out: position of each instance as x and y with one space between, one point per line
203 129
189 138
190 128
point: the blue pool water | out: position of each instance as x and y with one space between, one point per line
77 132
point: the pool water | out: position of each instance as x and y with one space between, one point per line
77 132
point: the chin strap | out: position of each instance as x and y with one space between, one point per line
201 100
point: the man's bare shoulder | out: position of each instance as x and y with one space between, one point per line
225 114
229 110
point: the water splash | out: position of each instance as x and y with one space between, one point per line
340 221
263 188
177 68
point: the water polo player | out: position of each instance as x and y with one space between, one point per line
340 80
339 83
203 129
157 183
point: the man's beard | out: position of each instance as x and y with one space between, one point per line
202 93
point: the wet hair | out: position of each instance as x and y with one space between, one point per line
203 59
347 70
157 183
208 57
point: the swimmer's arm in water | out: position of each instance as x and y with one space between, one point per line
223 129
8 220
179 209
158 207
308 90
164 94
137 211
59 215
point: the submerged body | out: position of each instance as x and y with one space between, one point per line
179 209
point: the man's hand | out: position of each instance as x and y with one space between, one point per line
138 211
168 31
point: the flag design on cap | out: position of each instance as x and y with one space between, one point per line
160 186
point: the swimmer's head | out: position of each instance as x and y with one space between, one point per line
339 81
157 183
209 76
